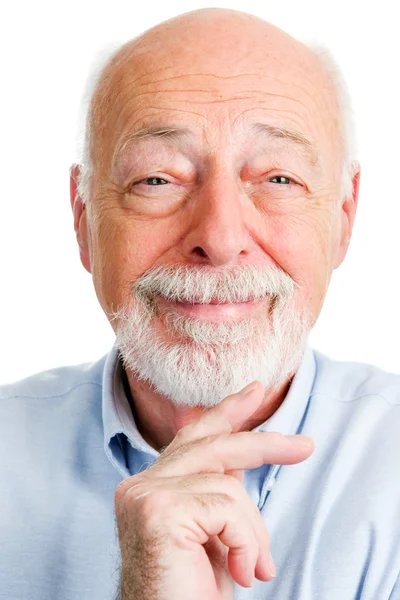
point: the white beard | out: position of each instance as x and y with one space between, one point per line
208 361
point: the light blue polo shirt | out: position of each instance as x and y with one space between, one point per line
67 438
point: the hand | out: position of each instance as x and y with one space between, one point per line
187 527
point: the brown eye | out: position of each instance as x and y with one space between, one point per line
281 179
155 181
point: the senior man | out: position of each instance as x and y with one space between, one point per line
216 195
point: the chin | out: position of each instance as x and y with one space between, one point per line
197 362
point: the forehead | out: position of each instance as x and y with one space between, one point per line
216 96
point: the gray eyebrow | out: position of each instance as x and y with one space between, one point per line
177 132
291 136
144 133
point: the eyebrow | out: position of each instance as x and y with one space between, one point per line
292 137
171 133
147 133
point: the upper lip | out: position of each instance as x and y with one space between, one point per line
215 301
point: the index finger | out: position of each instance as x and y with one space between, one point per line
244 450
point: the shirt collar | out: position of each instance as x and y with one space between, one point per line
118 418
287 419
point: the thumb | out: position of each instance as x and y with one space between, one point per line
225 418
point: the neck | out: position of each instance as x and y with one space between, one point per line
159 420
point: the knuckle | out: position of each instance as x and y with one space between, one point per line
147 510
120 492
156 510
124 486
235 487
154 502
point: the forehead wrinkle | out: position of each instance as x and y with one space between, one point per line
214 75
138 94
208 90
205 91
303 88
219 101
149 74
248 95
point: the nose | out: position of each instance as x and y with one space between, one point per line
218 234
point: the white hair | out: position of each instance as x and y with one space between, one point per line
345 109
96 69
200 362
323 54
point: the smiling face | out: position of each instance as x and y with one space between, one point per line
216 145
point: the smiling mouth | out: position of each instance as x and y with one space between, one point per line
211 302
215 310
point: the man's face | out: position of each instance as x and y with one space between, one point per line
217 156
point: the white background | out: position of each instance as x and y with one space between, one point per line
49 314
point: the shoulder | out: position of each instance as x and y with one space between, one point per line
354 381
55 383
354 418
49 410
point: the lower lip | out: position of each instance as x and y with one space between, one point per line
218 312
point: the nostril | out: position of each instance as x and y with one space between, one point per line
198 250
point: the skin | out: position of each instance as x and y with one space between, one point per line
189 521
215 73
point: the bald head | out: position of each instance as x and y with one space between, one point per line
207 47
215 147
227 39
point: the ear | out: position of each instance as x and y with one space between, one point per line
347 216
80 218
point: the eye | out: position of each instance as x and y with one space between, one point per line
155 181
281 179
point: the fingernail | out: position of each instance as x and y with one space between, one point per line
302 440
271 566
249 388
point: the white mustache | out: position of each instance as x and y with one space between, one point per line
202 285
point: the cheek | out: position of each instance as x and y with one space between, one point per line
301 242
124 249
